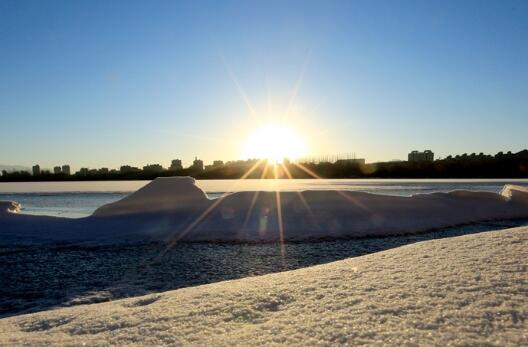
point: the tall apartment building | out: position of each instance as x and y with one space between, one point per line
197 164
176 165
416 156
36 170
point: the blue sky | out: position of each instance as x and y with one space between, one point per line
104 83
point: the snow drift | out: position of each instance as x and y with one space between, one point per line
9 207
174 208
463 291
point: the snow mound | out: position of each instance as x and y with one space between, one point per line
463 291
9 207
162 194
174 208
515 192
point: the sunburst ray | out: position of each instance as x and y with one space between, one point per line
341 193
254 199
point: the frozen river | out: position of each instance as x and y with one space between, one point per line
80 199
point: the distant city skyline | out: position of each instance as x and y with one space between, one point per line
419 164
103 84
166 165
197 163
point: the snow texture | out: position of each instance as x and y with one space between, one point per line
464 291
174 208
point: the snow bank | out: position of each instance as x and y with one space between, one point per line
9 207
516 192
163 194
469 291
175 208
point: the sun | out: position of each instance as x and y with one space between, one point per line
274 142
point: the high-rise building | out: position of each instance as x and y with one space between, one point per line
36 170
416 156
176 165
66 169
197 164
57 170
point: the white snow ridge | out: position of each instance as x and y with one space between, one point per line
9 207
174 208
464 291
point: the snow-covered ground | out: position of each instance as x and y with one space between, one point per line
174 208
470 290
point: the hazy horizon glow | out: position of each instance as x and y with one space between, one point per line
102 84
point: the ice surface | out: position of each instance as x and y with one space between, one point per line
462 291
174 208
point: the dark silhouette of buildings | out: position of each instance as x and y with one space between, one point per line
153 168
501 165
216 164
176 165
126 169
416 156
197 165
350 162
66 170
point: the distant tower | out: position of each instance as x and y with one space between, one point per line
57 170
66 169
198 164
176 165
36 170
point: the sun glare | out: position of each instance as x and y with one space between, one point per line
274 142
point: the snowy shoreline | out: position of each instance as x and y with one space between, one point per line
420 282
463 290
173 208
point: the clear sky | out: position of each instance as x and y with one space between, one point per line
105 83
